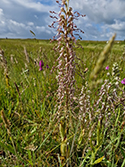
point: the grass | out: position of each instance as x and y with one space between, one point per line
29 131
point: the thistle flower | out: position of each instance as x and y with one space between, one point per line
123 81
107 68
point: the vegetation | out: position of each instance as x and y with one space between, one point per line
41 124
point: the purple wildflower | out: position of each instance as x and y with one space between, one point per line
47 66
107 68
123 81
40 69
41 64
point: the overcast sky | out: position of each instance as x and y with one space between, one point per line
103 18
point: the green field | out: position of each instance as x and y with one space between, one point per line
29 131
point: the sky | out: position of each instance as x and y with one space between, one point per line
103 18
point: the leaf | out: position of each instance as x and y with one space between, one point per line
7 147
123 163
98 160
87 156
30 157
81 137
122 152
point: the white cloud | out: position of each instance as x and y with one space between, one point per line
32 4
103 18
118 25
36 16
14 23
1 11
7 2
30 24
1 14
100 10
43 29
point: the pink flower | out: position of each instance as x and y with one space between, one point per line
123 81
47 66
41 64
107 68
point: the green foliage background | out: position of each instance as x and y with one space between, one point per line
29 103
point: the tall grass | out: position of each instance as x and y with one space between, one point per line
71 116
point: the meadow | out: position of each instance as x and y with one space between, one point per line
29 132
62 103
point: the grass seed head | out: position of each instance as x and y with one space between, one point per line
103 57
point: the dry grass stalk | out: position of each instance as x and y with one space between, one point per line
11 58
26 54
7 126
2 57
17 88
4 64
6 122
